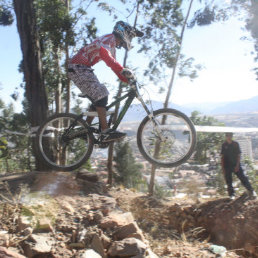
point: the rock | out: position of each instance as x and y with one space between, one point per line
67 206
88 176
97 216
88 187
96 245
23 222
77 245
6 253
65 228
27 231
4 238
37 245
127 248
216 249
127 231
101 202
106 241
43 225
116 220
150 254
90 254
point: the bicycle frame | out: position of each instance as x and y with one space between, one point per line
131 95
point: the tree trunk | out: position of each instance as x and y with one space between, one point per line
68 81
171 83
111 145
32 67
58 93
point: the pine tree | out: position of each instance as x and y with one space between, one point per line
128 170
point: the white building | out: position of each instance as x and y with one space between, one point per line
246 147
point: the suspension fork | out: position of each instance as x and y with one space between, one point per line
151 116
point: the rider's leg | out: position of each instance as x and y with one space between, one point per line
100 107
107 134
89 119
102 118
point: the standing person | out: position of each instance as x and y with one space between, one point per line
230 162
81 73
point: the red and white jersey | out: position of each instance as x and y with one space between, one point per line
102 48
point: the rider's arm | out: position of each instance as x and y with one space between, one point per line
112 63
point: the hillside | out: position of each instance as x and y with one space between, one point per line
68 215
241 108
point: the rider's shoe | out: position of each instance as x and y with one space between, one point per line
110 135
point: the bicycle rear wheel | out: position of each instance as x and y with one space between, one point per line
169 141
64 142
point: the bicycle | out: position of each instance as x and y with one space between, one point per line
165 137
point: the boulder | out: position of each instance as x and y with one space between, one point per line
67 206
106 241
88 176
127 248
43 225
127 231
97 246
90 254
4 238
6 253
114 220
37 245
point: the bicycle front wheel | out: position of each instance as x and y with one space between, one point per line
168 139
64 142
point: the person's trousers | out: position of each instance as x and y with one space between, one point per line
242 177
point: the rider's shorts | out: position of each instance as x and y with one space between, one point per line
85 79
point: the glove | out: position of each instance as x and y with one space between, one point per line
128 74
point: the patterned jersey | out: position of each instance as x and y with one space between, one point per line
102 48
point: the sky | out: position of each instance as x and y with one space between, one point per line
227 75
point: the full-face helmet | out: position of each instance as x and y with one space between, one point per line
125 32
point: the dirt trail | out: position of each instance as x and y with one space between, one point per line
173 228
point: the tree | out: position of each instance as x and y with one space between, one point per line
32 67
128 171
206 142
245 10
166 16
17 155
119 92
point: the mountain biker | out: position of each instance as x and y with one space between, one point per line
230 162
81 73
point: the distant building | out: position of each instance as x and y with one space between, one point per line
246 147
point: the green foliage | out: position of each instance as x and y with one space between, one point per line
6 16
54 22
161 37
206 142
18 155
220 181
160 192
244 10
3 147
252 173
128 171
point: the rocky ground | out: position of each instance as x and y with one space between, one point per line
63 215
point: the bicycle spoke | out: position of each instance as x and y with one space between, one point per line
168 139
63 142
